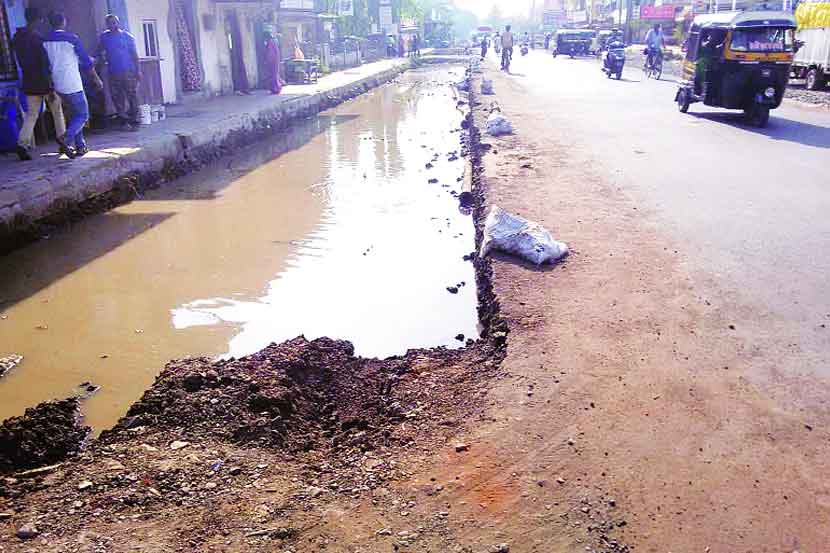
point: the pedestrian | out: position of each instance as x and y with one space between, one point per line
273 57
116 48
68 58
416 45
483 47
37 82
401 46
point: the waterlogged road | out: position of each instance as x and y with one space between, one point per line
337 228
749 204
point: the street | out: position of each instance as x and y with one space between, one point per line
661 389
748 203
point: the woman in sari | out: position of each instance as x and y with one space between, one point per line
273 56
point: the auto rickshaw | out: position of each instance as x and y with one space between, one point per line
573 42
738 60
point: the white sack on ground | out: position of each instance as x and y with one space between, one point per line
8 362
487 86
498 125
516 235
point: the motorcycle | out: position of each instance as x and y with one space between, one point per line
614 60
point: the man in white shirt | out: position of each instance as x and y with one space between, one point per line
506 46
67 59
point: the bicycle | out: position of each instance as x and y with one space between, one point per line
655 68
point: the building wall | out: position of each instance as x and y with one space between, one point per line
213 43
159 11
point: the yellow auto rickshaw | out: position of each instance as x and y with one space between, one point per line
738 60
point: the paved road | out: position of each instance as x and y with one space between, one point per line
751 204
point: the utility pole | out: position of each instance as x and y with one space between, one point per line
628 7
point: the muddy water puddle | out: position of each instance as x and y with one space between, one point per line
345 226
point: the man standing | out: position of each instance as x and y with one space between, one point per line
37 83
506 46
117 48
68 58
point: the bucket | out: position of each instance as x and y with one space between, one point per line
154 114
162 113
144 114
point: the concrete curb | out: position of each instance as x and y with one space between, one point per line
27 214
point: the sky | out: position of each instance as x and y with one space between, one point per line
508 7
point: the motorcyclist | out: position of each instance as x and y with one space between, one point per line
654 45
615 41
506 47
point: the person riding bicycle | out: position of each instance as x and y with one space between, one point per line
506 47
654 45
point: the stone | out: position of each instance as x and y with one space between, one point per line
560 480
314 491
178 445
27 532
500 548
235 471
85 485
452 289
384 532
6 515
461 447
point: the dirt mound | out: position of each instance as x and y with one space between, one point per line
297 395
46 434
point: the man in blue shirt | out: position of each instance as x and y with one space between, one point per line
117 48
67 58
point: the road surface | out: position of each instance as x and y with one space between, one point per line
675 367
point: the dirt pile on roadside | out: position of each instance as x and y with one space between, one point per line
45 434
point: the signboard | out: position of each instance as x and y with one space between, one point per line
657 12
345 8
385 16
552 19
580 16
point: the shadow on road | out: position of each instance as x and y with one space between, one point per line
779 128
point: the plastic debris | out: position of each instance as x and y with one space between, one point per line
498 124
516 235
9 362
487 86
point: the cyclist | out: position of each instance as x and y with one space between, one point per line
506 47
654 45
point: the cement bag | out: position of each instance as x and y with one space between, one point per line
487 86
518 236
498 124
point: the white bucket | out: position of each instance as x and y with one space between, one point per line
162 113
154 114
144 114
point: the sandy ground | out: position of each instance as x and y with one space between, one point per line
626 415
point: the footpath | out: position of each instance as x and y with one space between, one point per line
52 190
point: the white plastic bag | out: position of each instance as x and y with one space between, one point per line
498 124
8 362
516 235
487 86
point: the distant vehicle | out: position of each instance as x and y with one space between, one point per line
573 42
738 60
812 61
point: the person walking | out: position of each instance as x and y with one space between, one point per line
37 82
484 45
116 48
68 58
273 57
506 47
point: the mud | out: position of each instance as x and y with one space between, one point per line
245 454
46 434
118 295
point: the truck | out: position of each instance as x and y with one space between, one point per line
812 59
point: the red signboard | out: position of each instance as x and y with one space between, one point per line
657 12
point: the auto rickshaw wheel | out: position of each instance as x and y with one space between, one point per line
683 102
757 115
